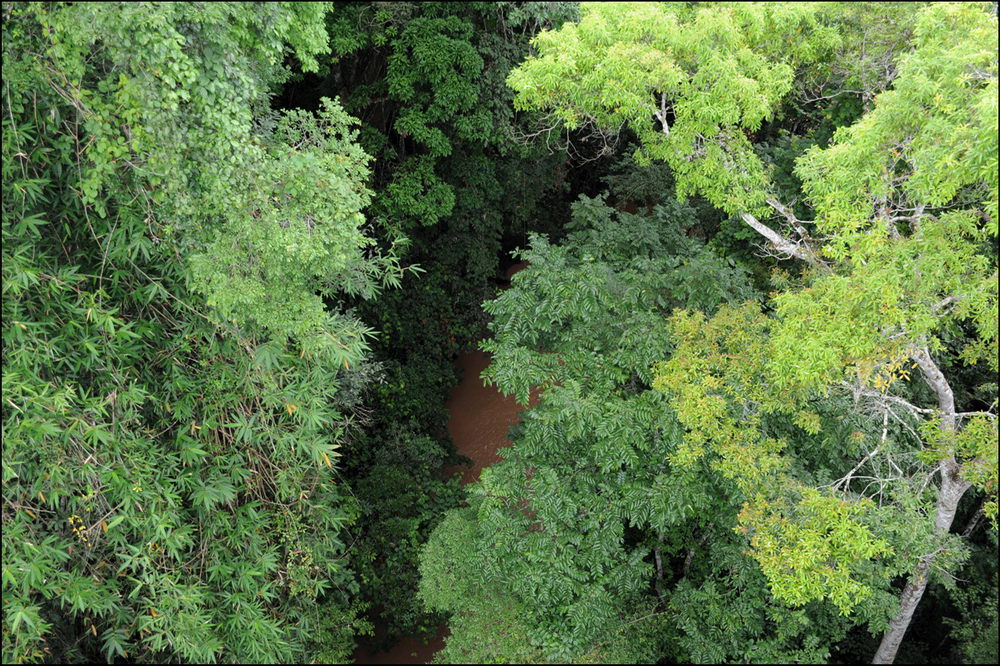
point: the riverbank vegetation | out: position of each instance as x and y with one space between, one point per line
244 244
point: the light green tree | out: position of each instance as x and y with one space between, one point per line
900 254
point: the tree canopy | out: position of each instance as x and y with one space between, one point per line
754 331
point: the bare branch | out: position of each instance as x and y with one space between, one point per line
845 480
661 115
973 522
859 392
787 213
939 307
798 250
836 94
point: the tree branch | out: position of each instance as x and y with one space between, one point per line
661 115
798 250
787 213
973 522
939 384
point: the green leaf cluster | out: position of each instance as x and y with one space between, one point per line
172 404
562 532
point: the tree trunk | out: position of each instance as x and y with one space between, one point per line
952 484
659 571
952 489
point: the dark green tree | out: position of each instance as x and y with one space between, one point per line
427 81
586 543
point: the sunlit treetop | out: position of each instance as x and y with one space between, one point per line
690 82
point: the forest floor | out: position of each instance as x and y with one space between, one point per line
479 418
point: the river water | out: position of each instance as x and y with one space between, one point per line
479 417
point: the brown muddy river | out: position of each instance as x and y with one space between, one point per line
478 420
479 417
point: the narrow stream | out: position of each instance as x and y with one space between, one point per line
478 420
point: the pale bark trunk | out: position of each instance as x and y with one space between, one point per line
778 241
659 572
802 250
952 489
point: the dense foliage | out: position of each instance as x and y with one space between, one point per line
427 81
172 379
900 257
244 244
